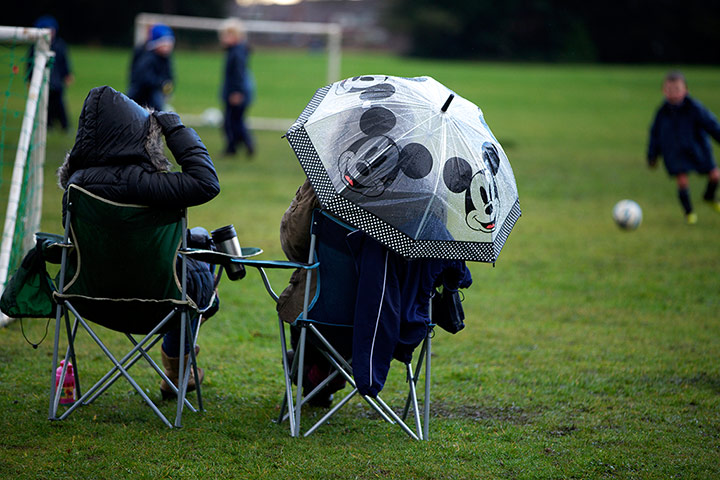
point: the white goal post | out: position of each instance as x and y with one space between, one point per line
32 129
333 32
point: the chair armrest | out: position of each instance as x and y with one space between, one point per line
225 259
219 258
275 263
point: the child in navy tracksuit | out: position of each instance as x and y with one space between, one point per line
151 71
237 87
680 134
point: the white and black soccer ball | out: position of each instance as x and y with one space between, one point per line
627 214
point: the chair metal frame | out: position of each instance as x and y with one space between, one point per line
292 402
140 349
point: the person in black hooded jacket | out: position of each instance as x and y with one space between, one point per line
119 155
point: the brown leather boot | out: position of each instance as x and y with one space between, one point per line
172 370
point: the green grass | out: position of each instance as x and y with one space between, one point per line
589 352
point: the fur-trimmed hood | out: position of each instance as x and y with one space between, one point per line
113 130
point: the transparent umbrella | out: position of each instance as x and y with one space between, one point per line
411 163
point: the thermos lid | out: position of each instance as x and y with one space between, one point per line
223 233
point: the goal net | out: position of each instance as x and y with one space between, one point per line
23 125
332 32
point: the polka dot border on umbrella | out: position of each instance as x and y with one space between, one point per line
411 163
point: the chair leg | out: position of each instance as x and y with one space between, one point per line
116 374
342 367
122 370
300 370
287 402
52 413
142 352
412 395
414 378
69 355
182 382
187 367
387 413
191 367
118 365
198 388
332 411
71 333
413 398
426 405
139 351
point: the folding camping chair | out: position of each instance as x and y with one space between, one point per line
332 307
118 270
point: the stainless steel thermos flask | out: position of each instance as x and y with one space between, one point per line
226 241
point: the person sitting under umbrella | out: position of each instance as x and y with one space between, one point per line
402 307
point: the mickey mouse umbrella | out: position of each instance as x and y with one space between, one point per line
410 163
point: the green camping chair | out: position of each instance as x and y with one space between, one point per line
119 270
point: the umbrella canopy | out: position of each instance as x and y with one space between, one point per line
411 163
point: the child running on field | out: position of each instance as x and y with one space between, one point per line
679 134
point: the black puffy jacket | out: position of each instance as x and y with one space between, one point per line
118 155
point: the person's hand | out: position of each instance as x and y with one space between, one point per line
652 162
236 98
168 121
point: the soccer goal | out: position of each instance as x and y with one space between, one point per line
23 128
332 32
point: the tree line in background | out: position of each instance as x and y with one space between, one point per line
686 31
101 22
659 31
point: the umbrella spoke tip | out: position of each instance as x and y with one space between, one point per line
447 102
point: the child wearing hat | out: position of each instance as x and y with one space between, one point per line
151 72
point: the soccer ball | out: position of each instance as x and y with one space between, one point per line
212 117
627 214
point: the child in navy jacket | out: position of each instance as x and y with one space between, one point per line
60 75
237 88
680 134
151 70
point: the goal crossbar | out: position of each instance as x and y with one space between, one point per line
333 31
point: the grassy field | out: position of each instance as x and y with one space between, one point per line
589 352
